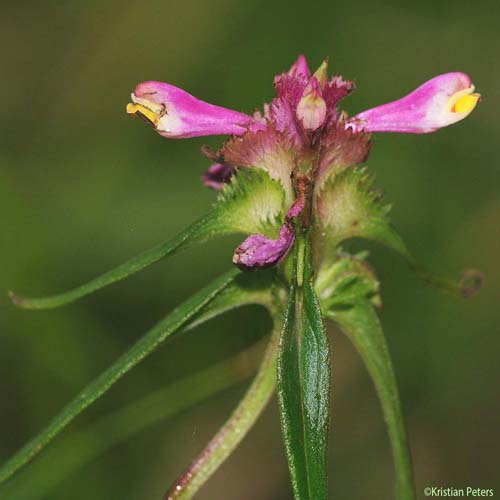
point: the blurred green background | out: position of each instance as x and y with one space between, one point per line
83 187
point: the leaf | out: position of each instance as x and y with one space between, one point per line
40 477
234 429
252 202
304 386
361 325
345 280
349 207
176 320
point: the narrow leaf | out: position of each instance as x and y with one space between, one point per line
251 203
233 431
176 320
361 325
304 388
192 234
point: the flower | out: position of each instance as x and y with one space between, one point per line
307 145
261 252
174 113
441 101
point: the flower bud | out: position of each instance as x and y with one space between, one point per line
321 74
311 110
217 176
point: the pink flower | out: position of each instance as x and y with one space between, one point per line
176 114
439 102
261 252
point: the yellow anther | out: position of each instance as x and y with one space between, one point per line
143 112
466 103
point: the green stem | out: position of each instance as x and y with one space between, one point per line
362 326
233 431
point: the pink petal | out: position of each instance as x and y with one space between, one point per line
260 252
300 67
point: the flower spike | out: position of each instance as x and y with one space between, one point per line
439 102
174 113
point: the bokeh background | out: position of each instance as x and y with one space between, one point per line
83 187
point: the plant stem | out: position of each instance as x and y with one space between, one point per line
38 480
233 431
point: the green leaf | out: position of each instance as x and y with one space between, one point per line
361 325
176 320
56 464
304 385
234 429
252 202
